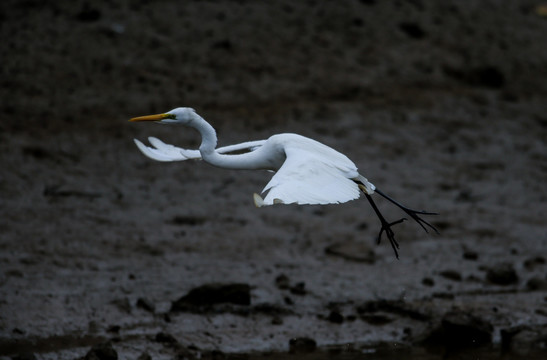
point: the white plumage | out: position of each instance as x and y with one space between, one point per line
306 171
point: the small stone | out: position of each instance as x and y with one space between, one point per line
335 317
103 351
462 328
502 274
114 329
302 345
288 300
532 263
122 304
217 355
144 356
459 329
428 282
524 339
470 255
210 294
146 305
298 289
282 282
536 283
451 275
165 338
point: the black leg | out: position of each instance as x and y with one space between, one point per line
386 226
412 213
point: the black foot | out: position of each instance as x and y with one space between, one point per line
386 226
390 234
412 213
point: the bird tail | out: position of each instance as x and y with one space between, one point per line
366 186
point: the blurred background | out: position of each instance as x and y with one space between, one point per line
442 105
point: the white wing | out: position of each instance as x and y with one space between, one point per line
312 173
166 152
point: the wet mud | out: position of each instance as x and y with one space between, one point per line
105 254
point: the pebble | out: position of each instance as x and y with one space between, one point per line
165 338
532 263
144 356
451 275
335 317
302 345
460 329
282 282
211 294
146 305
536 283
298 289
470 255
102 351
502 274
524 339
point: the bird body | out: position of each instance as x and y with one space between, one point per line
306 171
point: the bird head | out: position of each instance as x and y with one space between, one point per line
181 115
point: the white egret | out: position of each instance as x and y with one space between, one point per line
306 171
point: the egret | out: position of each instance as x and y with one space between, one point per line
306 171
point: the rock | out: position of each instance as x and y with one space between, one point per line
502 274
122 304
524 339
146 305
335 317
144 356
398 307
217 355
460 329
532 263
103 351
470 255
536 283
165 338
302 345
298 289
184 353
428 281
211 294
282 282
451 275
182 220
412 30
114 329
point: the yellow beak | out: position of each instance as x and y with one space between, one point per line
157 117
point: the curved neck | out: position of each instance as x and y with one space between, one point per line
209 154
208 135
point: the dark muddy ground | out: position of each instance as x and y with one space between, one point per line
440 104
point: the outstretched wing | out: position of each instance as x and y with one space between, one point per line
312 173
166 152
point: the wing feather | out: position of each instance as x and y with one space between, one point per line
313 173
161 151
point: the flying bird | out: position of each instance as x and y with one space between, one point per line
306 171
